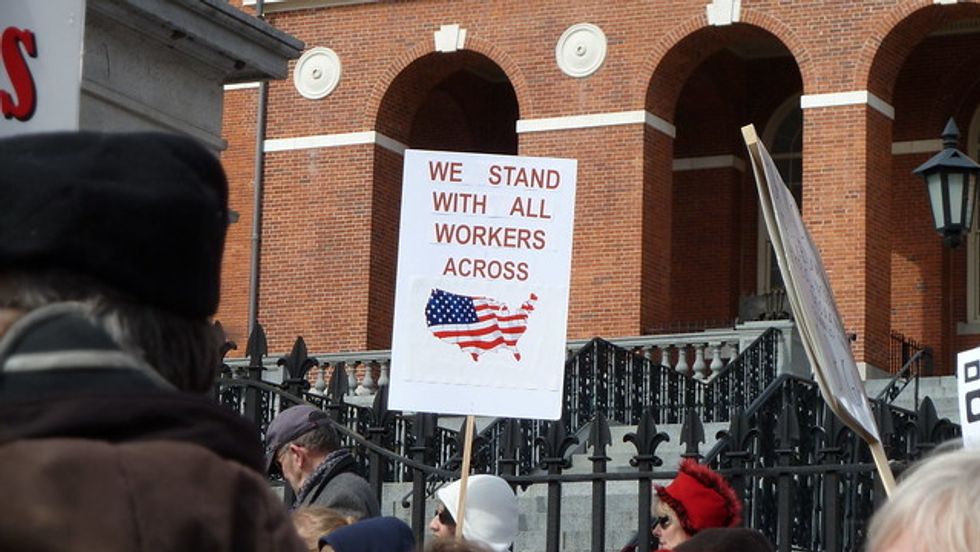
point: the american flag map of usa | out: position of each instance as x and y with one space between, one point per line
477 325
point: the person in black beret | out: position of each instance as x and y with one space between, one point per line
727 539
377 534
110 261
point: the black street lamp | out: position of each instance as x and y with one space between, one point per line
951 182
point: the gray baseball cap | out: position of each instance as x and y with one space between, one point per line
288 425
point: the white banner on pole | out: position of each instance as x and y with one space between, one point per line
968 385
481 297
811 298
40 65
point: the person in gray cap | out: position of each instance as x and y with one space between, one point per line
110 258
303 445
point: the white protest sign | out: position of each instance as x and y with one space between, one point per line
481 297
41 65
809 292
968 384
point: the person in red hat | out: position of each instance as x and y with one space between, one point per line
698 498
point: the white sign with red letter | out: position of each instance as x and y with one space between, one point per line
40 65
481 298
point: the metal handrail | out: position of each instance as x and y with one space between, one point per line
909 372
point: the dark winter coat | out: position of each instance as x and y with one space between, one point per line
337 484
98 453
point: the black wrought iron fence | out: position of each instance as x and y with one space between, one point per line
623 385
600 377
900 350
808 483
918 364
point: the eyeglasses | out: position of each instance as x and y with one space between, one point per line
663 521
445 517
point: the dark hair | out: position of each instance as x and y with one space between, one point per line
185 351
726 539
322 439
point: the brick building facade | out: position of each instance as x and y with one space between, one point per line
649 98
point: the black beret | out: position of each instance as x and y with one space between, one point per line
144 213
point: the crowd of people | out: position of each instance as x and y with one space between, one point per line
110 261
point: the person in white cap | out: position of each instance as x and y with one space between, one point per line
490 514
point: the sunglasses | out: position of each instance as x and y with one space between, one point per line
445 517
663 521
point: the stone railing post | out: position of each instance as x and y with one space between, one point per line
699 367
682 367
366 386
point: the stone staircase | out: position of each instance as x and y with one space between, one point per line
941 389
576 514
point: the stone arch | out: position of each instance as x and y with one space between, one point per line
960 96
671 59
699 174
372 108
468 100
896 35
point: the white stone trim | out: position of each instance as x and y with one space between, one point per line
449 38
271 6
594 120
709 162
333 141
723 12
917 146
581 50
317 73
855 97
241 86
660 124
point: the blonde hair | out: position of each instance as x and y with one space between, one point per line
938 497
312 522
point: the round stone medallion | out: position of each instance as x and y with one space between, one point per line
581 50
317 73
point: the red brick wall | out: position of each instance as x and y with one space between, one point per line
608 242
651 246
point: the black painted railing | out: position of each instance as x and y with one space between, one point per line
807 481
918 364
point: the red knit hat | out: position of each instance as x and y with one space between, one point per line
701 498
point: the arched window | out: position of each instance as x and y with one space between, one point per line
783 138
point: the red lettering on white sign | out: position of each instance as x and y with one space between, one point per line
19 73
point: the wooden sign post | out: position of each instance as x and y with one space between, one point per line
464 476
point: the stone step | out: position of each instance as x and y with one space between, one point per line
941 389
576 514
621 452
